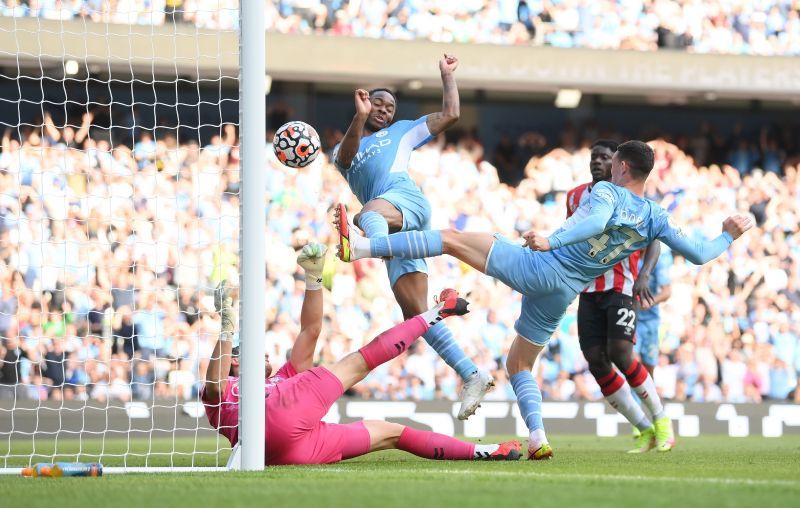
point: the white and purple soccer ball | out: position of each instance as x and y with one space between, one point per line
296 144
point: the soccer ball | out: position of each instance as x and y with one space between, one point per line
296 144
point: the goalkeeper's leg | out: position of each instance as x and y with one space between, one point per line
393 342
432 445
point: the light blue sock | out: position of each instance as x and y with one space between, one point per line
529 399
442 341
407 245
373 224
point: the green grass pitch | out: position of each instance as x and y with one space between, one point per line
586 471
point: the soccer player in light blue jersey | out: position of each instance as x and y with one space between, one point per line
550 271
373 157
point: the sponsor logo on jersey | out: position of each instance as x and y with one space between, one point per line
369 151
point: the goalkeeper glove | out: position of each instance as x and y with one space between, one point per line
312 260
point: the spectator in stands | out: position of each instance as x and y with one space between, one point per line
771 27
149 262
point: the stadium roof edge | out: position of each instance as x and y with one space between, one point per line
183 50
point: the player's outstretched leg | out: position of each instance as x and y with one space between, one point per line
411 292
393 342
431 445
405 244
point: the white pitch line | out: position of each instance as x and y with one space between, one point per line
576 476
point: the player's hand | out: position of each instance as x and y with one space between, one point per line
222 296
363 104
223 303
312 260
535 241
736 225
641 291
448 64
312 257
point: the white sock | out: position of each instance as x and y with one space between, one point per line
647 392
483 451
359 246
431 316
538 438
622 400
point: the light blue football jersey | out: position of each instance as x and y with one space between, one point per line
626 223
381 163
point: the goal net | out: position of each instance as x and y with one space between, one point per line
119 215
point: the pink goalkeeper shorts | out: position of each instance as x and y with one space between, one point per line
295 433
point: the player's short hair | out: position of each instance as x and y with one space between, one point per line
606 143
376 90
639 156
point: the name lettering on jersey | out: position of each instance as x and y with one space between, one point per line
629 216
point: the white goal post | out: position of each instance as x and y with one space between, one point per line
122 204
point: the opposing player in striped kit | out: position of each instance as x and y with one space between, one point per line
607 316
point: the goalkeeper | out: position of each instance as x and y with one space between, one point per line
298 395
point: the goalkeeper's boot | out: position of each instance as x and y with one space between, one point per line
451 304
635 432
665 437
510 450
645 442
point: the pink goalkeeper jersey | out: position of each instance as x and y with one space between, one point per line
224 415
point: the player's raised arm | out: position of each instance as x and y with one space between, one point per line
451 107
219 365
312 260
348 148
702 251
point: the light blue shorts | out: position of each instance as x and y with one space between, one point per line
647 341
416 212
538 276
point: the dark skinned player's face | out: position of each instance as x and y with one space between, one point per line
382 114
600 164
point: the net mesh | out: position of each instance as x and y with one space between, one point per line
120 180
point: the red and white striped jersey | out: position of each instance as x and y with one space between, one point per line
621 277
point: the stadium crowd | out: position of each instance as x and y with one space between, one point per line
766 27
109 254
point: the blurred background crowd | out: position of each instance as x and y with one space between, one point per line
763 27
109 253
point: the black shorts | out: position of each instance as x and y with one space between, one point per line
603 316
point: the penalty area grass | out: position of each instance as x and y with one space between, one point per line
586 471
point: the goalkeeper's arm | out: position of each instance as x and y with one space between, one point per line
219 365
312 260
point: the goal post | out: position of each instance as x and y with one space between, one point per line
252 117
122 205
